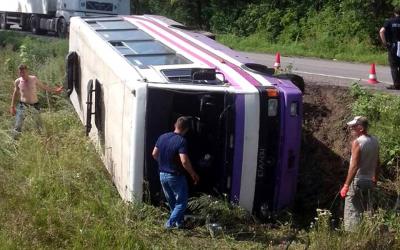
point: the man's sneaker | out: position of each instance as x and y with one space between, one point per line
15 134
168 226
180 225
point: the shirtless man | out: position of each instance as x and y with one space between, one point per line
26 87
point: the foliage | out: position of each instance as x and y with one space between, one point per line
370 234
346 29
55 192
220 211
382 112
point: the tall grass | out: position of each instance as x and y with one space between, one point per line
55 193
54 190
353 51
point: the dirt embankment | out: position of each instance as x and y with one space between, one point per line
325 147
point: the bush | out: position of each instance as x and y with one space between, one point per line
382 112
371 233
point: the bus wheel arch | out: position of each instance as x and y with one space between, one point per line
73 73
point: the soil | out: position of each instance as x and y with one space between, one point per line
325 149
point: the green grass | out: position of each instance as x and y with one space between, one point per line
56 194
352 51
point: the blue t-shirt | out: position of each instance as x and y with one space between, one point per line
170 145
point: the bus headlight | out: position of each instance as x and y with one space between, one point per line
272 107
294 109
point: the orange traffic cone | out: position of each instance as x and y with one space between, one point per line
277 64
372 75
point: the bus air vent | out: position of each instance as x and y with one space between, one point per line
192 76
258 68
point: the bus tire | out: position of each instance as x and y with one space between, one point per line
296 80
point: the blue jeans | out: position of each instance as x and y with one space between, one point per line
176 192
24 110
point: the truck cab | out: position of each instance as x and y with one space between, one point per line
41 16
68 8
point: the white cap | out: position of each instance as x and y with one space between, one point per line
358 120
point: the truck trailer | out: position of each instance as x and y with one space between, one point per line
40 16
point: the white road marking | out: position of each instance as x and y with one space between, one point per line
334 76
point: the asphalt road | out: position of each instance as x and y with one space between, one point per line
335 72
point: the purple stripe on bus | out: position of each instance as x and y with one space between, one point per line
217 46
238 70
238 151
287 178
233 81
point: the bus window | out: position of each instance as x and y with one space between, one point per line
118 25
125 35
168 59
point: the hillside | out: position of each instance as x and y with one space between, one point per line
56 194
343 30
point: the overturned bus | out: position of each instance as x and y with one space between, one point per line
130 77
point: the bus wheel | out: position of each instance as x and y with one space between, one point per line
3 22
62 28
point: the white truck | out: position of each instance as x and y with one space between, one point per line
40 16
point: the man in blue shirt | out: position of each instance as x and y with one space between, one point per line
171 154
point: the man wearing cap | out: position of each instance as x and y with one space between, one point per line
390 37
362 173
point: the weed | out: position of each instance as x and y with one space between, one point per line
349 51
56 194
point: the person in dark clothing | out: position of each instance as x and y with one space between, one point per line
390 36
170 152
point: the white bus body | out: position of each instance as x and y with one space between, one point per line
130 77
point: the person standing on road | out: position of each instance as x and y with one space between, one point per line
25 89
390 36
170 152
362 174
